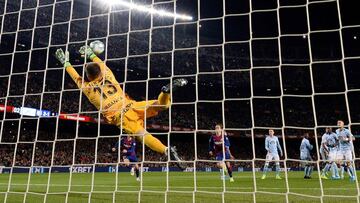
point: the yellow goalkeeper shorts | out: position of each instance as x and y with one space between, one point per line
132 120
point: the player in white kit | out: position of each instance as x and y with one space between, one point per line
328 150
272 146
305 156
345 151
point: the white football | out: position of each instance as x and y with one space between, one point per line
97 46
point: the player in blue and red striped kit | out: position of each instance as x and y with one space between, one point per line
128 152
216 148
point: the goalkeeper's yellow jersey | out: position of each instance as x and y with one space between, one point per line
104 92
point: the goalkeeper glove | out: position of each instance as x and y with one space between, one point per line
87 52
63 57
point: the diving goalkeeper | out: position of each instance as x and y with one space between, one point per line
104 92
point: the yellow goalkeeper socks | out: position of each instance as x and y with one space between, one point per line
164 99
153 143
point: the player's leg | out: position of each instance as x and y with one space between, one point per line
151 141
310 169
218 164
326 159
325 170
156 145
266 166
221 164
277 165
334 171
305 166
135 166
137 172
229 168
350 165
351 170
222 168
132 159
323 158
340 161
337 157
342 169
132 124
342 165
126 161
163 101
333 167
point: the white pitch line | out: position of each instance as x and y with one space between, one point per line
180 187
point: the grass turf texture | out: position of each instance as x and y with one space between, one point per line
181 187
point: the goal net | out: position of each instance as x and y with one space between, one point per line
251 66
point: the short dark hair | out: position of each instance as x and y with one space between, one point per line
92 70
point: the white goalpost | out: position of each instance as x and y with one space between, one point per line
251 66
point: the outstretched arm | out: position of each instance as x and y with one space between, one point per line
64 60
74 75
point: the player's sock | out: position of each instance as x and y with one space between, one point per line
137 172
326 169
342 169
334 170
351 171
154 143
310 169
222 174
265 169
347 170
306 170
224 168
164 99
277 169
229 169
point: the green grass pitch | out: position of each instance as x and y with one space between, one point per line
181 187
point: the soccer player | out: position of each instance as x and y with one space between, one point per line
104 92
217 143
127 147
272 146
305 156
328 150
345 148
